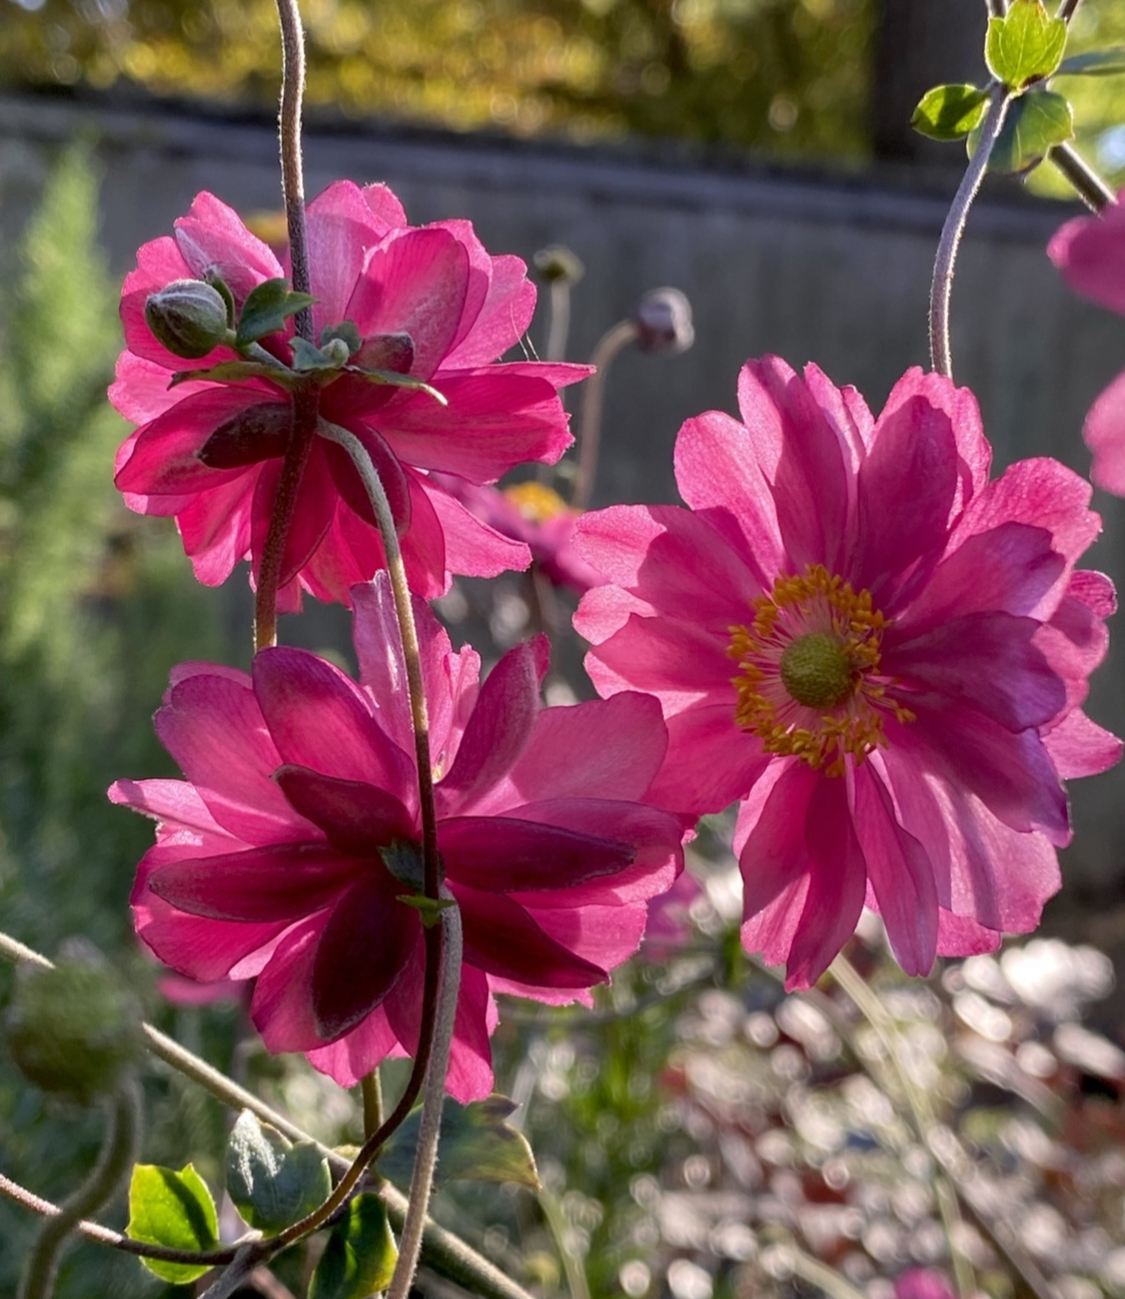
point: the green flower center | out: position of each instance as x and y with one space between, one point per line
817 670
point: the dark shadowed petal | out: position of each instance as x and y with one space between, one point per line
506 854
362 951
501 938
357 818
283 881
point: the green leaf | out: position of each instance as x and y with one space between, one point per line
476 1145
346 330
174 1210
396 380
359 1258
1025 45
949 112
1097 63
221 287
1036 122
233 372
267 309
272 1182
307 356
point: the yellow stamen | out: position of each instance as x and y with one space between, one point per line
536 501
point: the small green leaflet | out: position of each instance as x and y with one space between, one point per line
1025 45
1097 63
396 380
272 1182
234 372
477 1144
949 112
360 1256
267 309
174 1210
347 331
1036 122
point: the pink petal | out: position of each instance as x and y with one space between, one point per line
1079 747
505 854
1104 433
503 318
215 528
353 1056
473 548
213 240
356 818
710 761
1090 252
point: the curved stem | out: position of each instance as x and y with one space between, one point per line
292 166
593 397
1092 190
942 287
373 1110
425 1157
115 1159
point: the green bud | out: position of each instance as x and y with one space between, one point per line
188 317
336 350
74 1030
557 263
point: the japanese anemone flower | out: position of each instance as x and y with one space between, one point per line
877 651
291 854
429 304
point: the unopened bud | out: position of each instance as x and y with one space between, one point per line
74 1030
557 264
189 317
336 351
663 320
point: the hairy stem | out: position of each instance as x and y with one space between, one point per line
115 1160
425 1156
942 287
373 1112
593 397
1092 190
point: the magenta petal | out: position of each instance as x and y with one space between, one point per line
213 240
319 718
503 318
710 761
1104 432
352 1057
1079 747
900 874
282 881
414 283
340 229
473 548
771 839
215 528
316 503
358 819
964 936
987 661
499 727
505 854
362 952
281 1007
906 490
470 1060
1090 252
391 475
501 938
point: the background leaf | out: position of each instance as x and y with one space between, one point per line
476 1145
175 1210
949 112
1035 124
1024 45
272 1182
1095 63
359 1258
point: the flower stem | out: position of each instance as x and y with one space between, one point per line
942 287
425 1156
593 396
305 400
1092 190
1067 9
373 1111
115 1160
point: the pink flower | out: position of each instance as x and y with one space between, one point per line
286 854
427 302
537 515
922 1283
1090 252
877 651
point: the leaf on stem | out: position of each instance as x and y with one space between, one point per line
233 372
174 1210
477 1144
1025 45
1096 63
950 112
272 1182
396 380
1035 123
359 1258
267 308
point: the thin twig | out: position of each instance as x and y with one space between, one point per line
425 1156
1092 190
593 397
942 287
1067 9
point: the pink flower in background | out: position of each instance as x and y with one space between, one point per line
877 651
1090 252
285 855
428 302
923 1283
537 515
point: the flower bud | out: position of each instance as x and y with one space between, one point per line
188 317
663 320
557 264
74 1030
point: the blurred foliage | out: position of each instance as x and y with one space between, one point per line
785 74
95 606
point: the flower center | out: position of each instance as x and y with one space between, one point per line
808 681
536 501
